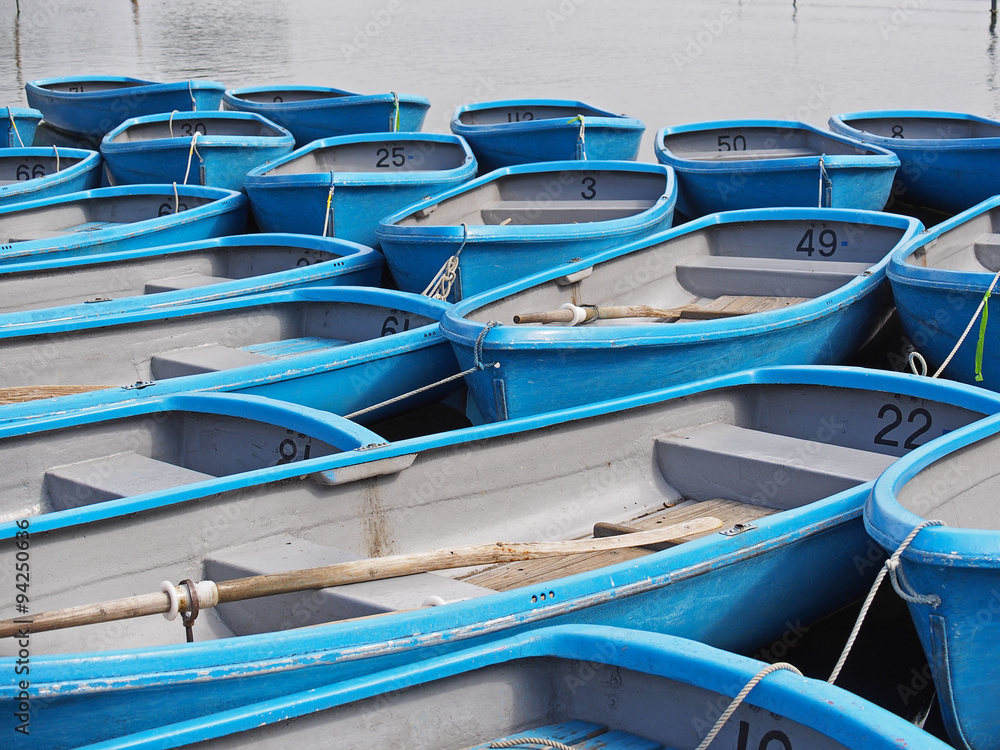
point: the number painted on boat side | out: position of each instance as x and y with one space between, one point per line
289 452
387 158
26 172
590 188
191 129
827 240
519 116
919 417
76 89
897 131
390 326
278 98
770 741
168 208
738 143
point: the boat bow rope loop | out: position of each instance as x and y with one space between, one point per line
440 286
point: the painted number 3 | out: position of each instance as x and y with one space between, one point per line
589 191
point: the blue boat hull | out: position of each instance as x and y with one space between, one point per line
209 149
947 159
90 106
312 112
302 202
733 592
17 126
538 130
43 173
953 570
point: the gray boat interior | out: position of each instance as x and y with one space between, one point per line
566 197
18 170
525 113
89 214
959 489
749 142
565 701
204 125
387 156
737 454
972 246
99 280
87 86
99 461
762 261
930 128
190 341
277 96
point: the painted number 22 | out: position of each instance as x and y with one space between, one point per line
919 417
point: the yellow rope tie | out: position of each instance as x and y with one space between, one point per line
329 202
581 138
394 118
14 126
191 152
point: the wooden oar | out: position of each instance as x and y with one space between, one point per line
612 312
373 569
17 394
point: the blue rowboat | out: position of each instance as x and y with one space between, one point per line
91 106
947 159
734 164
521 131
341 349
518 220
580 686
952 572
941 282
17 126
200 148
114 219
37 173
313 112
341 187
191 272
784 457
740 289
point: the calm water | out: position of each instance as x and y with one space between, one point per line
663 61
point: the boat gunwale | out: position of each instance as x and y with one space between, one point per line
839 123
280 138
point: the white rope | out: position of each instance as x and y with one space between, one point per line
57 156
440 285
913 359
329 205
194 104
721 721
891 563
191 152
14 126
519 741
170 123
177 200
968 328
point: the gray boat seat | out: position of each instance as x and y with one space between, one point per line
45 234
987 250
717 275
177 283
761 468
562 211
110 477
755 153
193 360
284 553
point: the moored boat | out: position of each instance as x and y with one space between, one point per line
117 218
341 349
569 686
92 105
734 164
200 148
341 187
37 173
313 112
522 131
779 459
518 220
739 289
947 159
187 273
949 573
942 282
17 126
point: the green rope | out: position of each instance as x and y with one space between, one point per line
982 336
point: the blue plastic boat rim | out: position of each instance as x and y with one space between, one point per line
87 160
899 271
259 176
360 256
825 708
459 328
972 398
342 98
879 158
148 87
889 523
217 195
390 230
596 116
841 124
279 138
